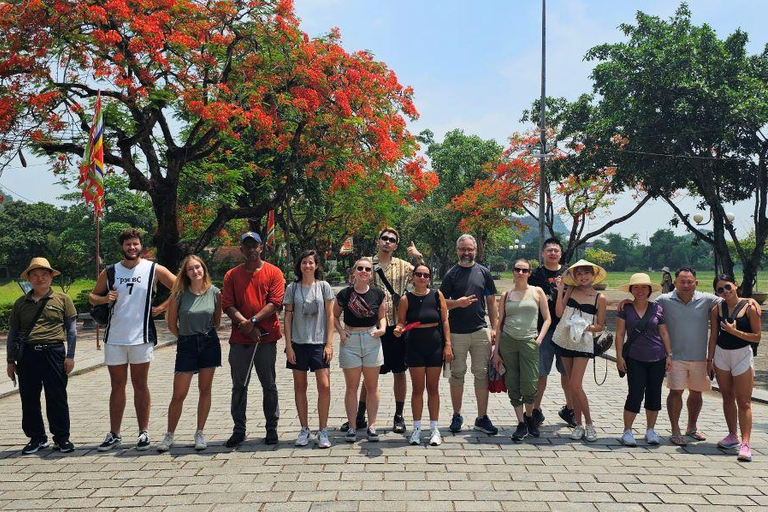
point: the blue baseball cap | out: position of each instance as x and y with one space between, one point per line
250 234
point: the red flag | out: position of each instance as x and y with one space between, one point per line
270 238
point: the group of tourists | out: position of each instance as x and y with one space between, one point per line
390 320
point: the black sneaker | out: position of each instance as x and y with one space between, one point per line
64 446
236 439
112 440
533 428
456 423
520 433
34 445
567 416
538 417
271 436
373 436
398 425
360 424
351 436
484 424
142 443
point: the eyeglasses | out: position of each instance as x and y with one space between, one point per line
466 249
724 288
390 239
521 270
361 268
423 275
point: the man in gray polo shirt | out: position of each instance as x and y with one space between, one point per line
687 315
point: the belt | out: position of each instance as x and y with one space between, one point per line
45 346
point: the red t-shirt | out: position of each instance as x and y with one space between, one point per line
249 292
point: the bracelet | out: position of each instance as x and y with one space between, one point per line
710 360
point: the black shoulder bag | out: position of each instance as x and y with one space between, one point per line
16 349
637 331
395 296
732 318
101 312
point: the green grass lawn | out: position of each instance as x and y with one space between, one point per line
705 277
11 291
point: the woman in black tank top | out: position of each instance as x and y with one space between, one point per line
423 317
734 333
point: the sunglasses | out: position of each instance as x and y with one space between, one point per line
521 270
423 275
390 239
361 268
724 288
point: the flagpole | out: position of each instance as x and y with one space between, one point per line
98 270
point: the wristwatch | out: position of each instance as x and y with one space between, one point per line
253 320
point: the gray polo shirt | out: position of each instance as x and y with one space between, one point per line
688 324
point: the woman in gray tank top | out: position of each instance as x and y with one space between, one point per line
518 346
194 314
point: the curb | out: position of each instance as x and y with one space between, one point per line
758 395
85 369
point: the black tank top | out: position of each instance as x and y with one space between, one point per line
422 308
727 340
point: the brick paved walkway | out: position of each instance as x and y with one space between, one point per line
470 471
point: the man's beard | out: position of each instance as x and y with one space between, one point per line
131 258
467 259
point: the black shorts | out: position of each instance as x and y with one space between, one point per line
309 356
564 352
394 352
424 348
198 351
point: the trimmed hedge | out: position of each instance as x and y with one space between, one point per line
5 313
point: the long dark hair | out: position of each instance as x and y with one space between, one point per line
306 254
723 277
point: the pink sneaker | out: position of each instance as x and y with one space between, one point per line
745 454
729 442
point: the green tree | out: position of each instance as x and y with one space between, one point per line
689 110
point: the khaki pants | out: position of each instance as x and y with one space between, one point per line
478 346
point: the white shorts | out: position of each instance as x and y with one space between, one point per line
736 361
128 354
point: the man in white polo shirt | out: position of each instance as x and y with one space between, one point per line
130 336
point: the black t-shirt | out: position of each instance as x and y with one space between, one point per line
465 281
360 310
545 279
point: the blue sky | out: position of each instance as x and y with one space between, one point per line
475 65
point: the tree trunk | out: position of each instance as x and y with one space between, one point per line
166 238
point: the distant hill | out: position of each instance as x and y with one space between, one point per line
533 228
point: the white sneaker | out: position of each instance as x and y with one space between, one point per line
591 434
577 433
435 438
627 439
304 436
200 443
322 439
652 437
166 443
415 437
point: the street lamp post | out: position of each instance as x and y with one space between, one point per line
542 124
699 218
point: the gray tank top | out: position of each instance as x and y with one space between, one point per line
196 312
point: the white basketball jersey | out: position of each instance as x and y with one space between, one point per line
131 314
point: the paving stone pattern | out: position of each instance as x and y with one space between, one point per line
470 471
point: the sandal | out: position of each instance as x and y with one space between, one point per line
678 440
697 435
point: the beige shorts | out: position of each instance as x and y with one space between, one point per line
688 375
478 346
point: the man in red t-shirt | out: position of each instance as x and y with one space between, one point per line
251 296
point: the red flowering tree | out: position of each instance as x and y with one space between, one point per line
230 95
581 184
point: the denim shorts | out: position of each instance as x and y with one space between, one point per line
547 354
361 349
198 351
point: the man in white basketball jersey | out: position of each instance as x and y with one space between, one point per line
130 334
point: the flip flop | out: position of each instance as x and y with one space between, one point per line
697 435
678 440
